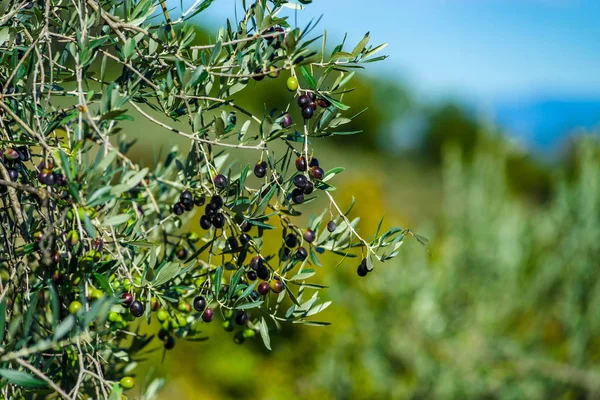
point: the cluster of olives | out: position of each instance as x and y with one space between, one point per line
291 241
212 214
307 102
48 176
13 159
186 202
302 183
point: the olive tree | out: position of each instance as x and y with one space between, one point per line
95 244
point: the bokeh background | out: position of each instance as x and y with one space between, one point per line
479 136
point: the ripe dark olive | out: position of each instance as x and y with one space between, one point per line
220 181
256 262
44 164
50 180
200 200
42 175
301 164
276 286
303 101
312 96
169 342
314 162
199 303
309 235
61 180
323 102
291 240
210 210
245 239
181 253
98 244
264 288
137 309
362 269
186 197
298 196
260 169
13 174
245 226
300 181
205 222
162 334
228 326
286 121
317 172
239 338
208 315
254 295
216 202
218 221
307 112
18 39
241 318
232 242
312 105
127 299
178 209
24 153
308 189
189 206
277 178
251 275
263 272
331 226
301 253
258 75
29 5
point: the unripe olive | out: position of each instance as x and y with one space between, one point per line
169 342
292 84
114 316
181 320
74 307
162 315
154 304
248 333
184 307
127 382
274 72
72 238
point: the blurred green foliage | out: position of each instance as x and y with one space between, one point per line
504 307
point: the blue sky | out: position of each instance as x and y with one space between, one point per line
478 50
